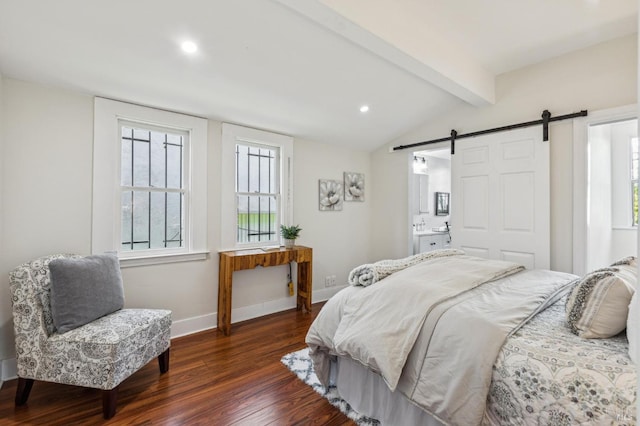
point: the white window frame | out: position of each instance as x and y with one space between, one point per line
106 224
231 135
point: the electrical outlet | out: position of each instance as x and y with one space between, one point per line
330 281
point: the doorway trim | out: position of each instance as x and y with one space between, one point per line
580 168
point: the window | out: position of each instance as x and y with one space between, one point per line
149 186
256 186
152 187
634 180
257 193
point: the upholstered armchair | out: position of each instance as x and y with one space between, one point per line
99 354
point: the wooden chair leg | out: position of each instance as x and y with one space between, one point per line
163 361
23 390
109 399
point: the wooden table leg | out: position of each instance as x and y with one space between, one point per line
225 280
304 286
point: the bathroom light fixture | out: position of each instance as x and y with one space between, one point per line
189 47
364 108
420 165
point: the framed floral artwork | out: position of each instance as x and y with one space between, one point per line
353 186
330 195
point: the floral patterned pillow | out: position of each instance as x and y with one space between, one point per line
598 305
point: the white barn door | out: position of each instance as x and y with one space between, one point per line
500 197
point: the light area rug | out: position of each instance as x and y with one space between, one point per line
300 364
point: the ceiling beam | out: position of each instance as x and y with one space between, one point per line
419 51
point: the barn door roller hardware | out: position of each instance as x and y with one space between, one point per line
546 119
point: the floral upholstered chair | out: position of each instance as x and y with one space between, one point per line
100 353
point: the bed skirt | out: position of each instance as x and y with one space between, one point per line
378 402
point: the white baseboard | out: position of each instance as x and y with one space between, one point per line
209 321
184 327
192 325
326 293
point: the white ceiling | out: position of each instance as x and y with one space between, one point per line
299 67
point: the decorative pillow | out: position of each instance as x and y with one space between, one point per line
599 303
633 325
84 289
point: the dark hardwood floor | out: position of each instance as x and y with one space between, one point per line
213 380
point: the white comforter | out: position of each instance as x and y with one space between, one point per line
432 331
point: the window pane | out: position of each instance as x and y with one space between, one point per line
127 208
174 166
175 225
126 168
255 169
266 171
152 158
158 167
242 179
152 220
257 218
156 215
141 134
140 217
256 174
140 163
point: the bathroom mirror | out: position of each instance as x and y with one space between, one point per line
442 203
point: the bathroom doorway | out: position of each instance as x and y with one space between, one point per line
429 199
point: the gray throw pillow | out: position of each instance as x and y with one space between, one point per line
84 289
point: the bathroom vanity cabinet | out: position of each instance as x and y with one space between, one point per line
429 241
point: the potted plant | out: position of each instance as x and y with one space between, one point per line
290 233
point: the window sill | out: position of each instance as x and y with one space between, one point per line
625 228
161 259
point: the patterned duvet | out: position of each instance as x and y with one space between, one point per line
545 375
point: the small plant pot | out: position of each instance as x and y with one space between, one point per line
289 243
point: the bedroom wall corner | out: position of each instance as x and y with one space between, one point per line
637 299
46 192
5 302
389 208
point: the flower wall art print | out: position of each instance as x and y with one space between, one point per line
353 186
330 195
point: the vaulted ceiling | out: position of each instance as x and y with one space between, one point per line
299 67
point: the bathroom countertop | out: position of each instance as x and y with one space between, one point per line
428 232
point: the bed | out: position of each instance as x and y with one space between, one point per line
405 349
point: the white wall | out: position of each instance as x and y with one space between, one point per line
599 77
340 239
47 198
6 326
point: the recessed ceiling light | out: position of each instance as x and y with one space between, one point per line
189 47
364 108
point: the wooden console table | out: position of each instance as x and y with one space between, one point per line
248 259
